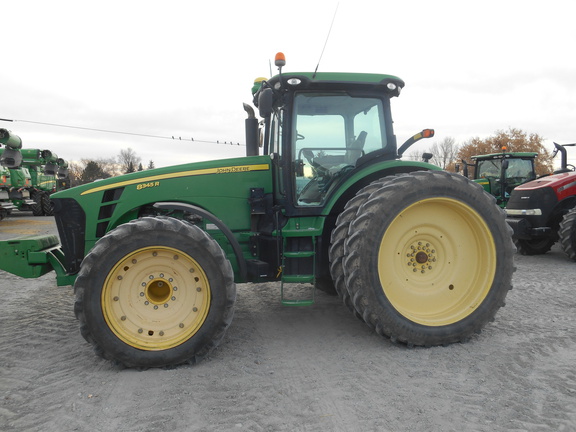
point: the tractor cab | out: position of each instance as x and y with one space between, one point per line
321 128
500 173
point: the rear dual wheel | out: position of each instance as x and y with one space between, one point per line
155 292
428 258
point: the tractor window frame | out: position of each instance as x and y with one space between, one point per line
330 131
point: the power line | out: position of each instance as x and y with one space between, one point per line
173 137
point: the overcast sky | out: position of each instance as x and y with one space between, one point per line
184 68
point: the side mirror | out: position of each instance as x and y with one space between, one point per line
265 100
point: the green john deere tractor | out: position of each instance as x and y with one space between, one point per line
500 173
422 256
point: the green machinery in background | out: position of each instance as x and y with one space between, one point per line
500 173
32 175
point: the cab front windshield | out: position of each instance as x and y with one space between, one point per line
520 170
332 131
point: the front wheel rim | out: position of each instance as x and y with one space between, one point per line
437 261
155 298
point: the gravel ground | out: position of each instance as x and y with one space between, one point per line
315 368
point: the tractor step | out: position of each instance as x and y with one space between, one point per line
297 282
296 294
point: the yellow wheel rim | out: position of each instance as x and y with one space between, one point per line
155 298
437 261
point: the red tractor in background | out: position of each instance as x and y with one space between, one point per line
543 211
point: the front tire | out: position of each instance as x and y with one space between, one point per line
428 259
567 234
47 208
537 246
36 196
155 292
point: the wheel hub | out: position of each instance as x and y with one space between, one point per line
421 256
156 298
158 291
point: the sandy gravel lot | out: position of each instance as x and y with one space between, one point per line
280 368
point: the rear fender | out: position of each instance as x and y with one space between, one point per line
366 175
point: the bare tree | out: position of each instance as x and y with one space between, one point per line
444 153
88 170
128 160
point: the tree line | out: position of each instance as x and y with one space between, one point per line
448 155
89 170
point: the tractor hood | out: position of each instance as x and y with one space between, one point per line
86 213
141 180
564 184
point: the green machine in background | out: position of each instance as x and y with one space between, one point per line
500 173
34 175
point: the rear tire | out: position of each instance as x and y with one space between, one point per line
428 259
567 234
338 238
155 292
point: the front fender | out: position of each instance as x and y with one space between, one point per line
189 208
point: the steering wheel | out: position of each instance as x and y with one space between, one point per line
320 170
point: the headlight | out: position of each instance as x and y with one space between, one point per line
523 212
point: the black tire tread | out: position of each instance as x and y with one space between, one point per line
338 238
567 233
355 261
96 255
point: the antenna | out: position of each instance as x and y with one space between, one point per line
327 36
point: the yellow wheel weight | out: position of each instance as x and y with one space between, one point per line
437 261
155 298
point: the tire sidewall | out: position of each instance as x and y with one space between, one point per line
96 273
380 310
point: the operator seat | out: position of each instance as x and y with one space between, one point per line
354 151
